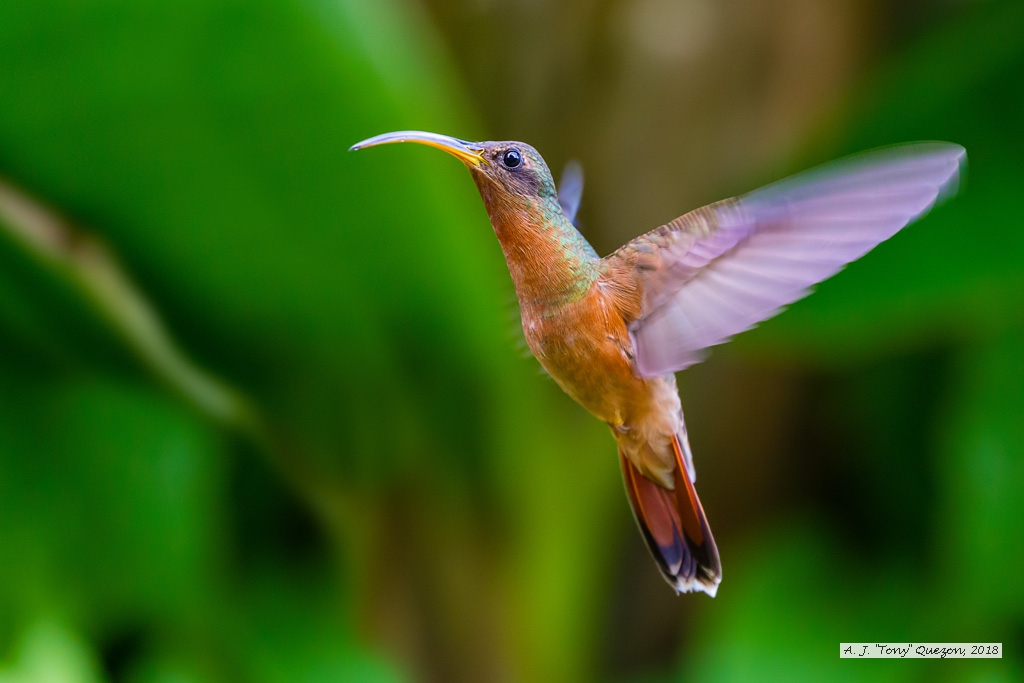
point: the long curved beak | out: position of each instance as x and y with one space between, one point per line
469 152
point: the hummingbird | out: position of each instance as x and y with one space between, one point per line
612 331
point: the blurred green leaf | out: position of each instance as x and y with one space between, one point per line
289 633
108 500
208 142
49 653
360 299
982 471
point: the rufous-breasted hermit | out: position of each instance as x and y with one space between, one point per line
612 331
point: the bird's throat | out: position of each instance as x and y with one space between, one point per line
551 263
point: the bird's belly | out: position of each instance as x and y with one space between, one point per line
586 348
590 357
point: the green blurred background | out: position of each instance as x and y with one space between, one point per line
264 416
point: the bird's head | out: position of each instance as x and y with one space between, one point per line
503 171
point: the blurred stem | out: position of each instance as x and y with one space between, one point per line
84 262
90 267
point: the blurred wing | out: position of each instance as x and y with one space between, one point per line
721 269
570 189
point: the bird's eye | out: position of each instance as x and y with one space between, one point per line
512 158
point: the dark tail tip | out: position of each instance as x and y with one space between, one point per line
675 528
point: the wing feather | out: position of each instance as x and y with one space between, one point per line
720 270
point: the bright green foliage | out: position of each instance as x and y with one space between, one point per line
401 495
359 303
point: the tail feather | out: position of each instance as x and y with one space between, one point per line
674 526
